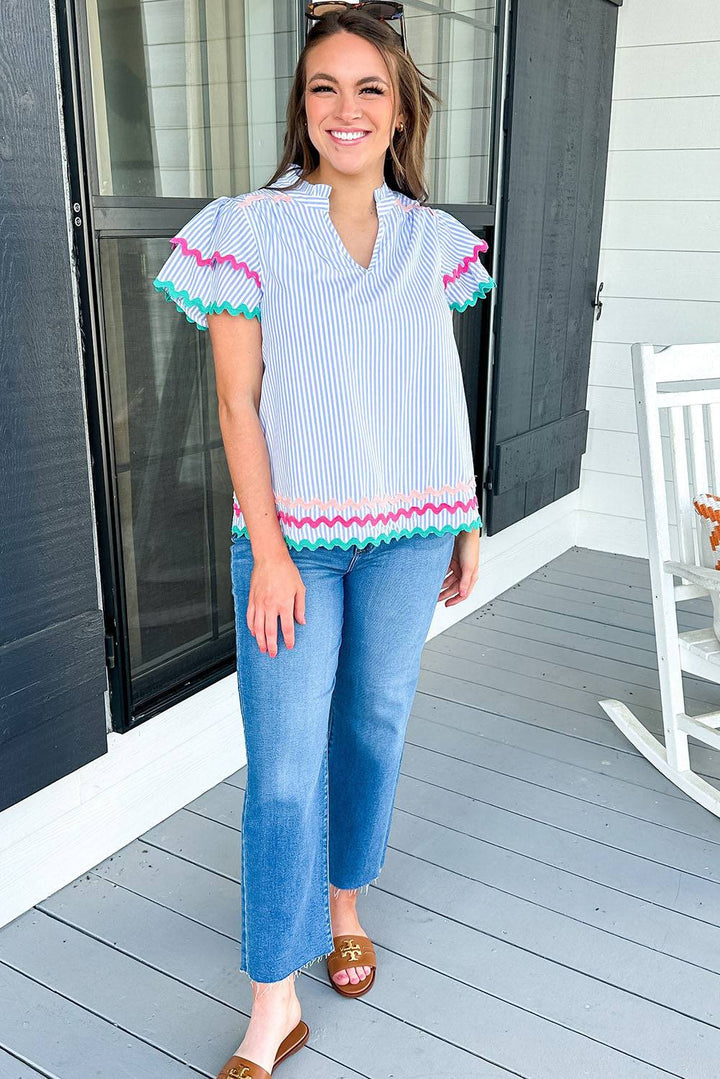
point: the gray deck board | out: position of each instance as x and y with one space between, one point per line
13 1068
549 906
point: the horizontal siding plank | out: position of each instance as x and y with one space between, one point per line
647 22
671 225
612 409
665 124
664 275
612 451
661 322
611 366
663 174
684 69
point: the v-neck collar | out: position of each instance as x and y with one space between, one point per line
319 195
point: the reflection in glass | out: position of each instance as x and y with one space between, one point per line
189 96
175 491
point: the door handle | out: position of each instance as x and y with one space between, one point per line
597 302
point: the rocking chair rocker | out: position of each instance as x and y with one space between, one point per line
679 386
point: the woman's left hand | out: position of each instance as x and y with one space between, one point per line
463 569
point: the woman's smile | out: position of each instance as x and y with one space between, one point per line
347 138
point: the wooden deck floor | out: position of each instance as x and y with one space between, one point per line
549 907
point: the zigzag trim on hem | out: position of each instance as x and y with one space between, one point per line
173 294
369 504
377 518
385 537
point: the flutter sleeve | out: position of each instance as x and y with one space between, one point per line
214 265
464 277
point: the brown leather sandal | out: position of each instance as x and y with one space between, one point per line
352 951
242 1068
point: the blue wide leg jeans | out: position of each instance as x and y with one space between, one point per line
324 727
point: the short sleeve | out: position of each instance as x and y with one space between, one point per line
214 265
464 277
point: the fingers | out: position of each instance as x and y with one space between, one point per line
448 585
300 605
271 619
287 625
262 623
467 582
460 584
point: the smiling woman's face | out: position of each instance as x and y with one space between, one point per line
348 88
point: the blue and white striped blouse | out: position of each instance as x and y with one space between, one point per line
362 403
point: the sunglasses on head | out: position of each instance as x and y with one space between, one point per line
378 9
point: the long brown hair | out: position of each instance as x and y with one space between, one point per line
405 157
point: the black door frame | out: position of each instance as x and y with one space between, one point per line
91 214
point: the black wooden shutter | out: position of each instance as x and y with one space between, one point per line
557 119
52 634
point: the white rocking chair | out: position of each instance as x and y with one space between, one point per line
677 388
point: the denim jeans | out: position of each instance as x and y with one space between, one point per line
324 727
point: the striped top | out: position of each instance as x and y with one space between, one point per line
362 404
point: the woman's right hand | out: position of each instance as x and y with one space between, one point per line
276 591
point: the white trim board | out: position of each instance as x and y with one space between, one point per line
62 831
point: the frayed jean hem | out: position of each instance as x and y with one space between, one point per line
266 986
294 974
360 890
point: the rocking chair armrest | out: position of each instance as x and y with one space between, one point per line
699 575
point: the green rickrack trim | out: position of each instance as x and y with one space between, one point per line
479 294
173 294
384 537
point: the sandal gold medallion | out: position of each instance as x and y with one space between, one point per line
352 951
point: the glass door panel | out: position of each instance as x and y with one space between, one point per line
174 487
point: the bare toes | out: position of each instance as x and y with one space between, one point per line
352 975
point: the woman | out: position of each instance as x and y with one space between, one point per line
355 506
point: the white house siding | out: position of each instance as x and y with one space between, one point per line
660 256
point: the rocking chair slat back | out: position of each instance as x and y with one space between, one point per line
677 397
680 481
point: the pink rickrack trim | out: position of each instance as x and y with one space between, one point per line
374 519
415 205
367 503
463 267
215 257
254 196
